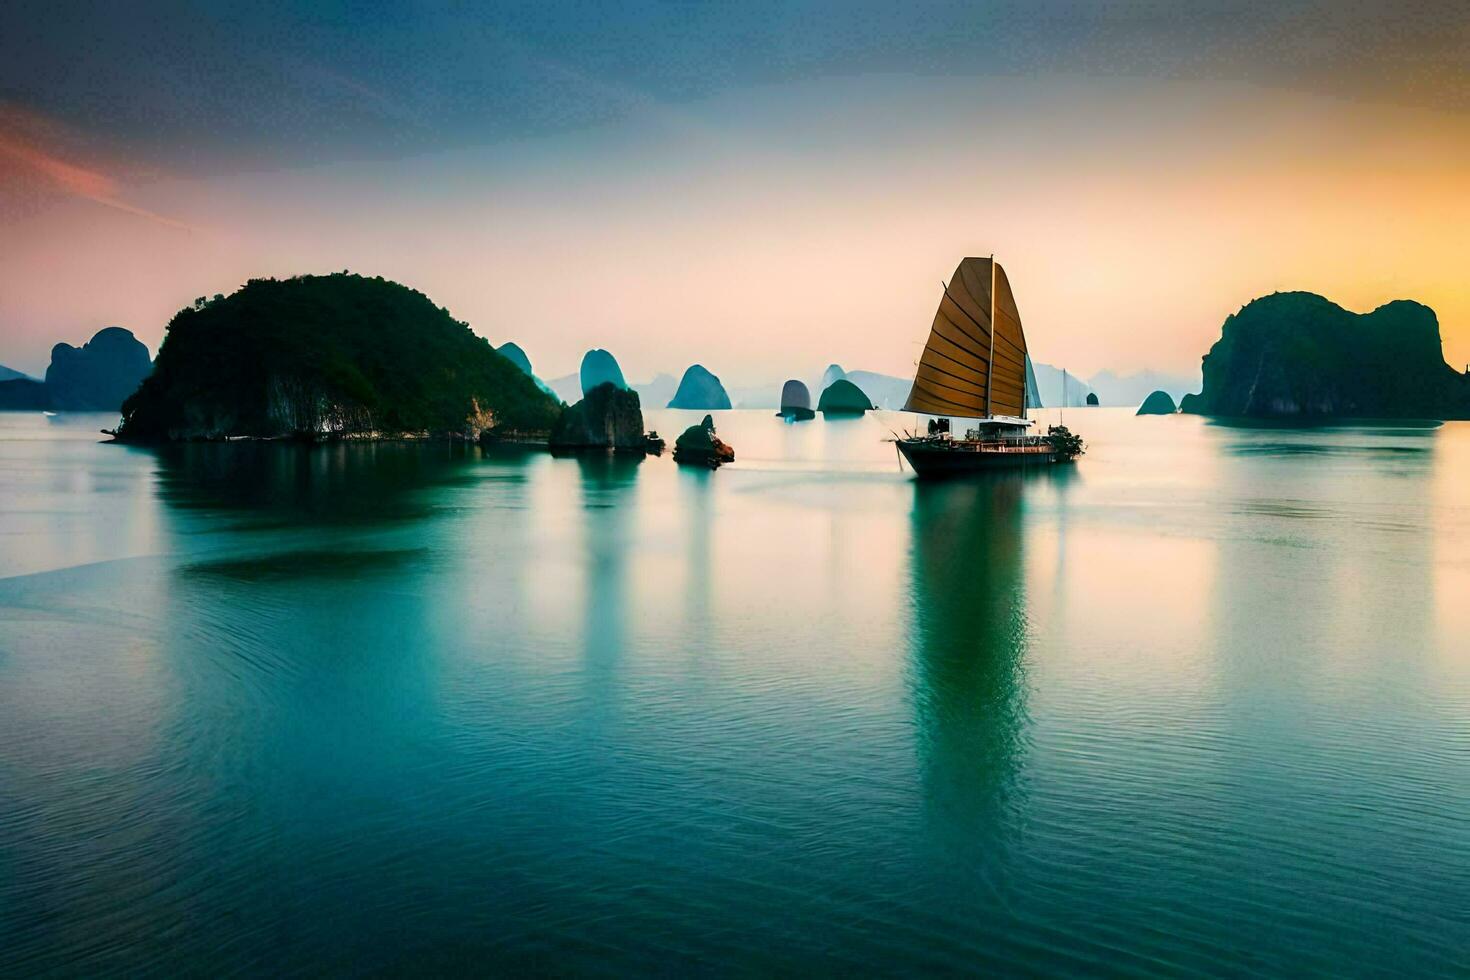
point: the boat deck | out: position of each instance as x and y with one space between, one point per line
986 446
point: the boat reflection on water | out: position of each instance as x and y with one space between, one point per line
969 656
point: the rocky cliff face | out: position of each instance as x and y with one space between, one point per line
1300 355
700 389
609 417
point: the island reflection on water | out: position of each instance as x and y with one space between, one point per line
1196 704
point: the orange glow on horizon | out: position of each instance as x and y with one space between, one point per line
812 226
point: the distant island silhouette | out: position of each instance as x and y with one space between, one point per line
1157 403
599 367
700 389
322 357
1299 355
842 397
517 356
95 377
796 402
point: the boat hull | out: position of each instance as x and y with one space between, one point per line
935 460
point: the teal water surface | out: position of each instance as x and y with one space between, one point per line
1199 704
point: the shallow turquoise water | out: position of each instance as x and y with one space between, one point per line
1200 704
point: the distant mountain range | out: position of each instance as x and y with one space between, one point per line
1133 389
10 374
888 391
700 389
1059 390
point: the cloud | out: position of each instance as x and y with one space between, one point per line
29 169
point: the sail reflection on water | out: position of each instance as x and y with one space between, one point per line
969 634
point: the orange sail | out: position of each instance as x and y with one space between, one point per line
969 368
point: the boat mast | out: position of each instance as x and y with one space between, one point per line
990 364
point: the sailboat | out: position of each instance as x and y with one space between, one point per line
975 366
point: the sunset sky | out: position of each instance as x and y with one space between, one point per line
762 188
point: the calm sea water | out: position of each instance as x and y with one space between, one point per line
1200 704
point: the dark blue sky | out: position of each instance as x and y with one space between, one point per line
215 87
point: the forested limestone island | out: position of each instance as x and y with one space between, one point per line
329 357
1298 355
700 389
95 377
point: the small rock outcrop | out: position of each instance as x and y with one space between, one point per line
1132 389
842 397
607 418
796 402
699 446
1092 399
700 389
1158 403
600 368
1298 355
